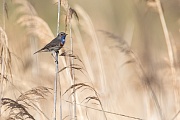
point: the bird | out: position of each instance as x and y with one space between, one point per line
55 45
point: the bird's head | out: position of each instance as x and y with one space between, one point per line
62 37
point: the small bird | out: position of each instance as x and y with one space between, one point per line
55 45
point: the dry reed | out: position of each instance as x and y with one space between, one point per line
116 68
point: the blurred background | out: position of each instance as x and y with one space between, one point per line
128 51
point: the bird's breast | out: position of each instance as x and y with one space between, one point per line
61 43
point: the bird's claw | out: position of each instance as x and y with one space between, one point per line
57 52
56 61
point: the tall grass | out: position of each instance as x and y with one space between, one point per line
118 62
170 51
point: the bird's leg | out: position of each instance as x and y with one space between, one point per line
56 53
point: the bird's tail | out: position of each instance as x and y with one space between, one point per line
38 51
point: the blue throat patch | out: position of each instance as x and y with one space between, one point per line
63 39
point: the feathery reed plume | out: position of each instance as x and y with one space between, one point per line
17 111
37 29
124 47
36 26
69 18
27 100
78 86
170 51
32 97
5 61
89 24
24 8
2 63
83 52
34 94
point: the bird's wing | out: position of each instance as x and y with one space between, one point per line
54 42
